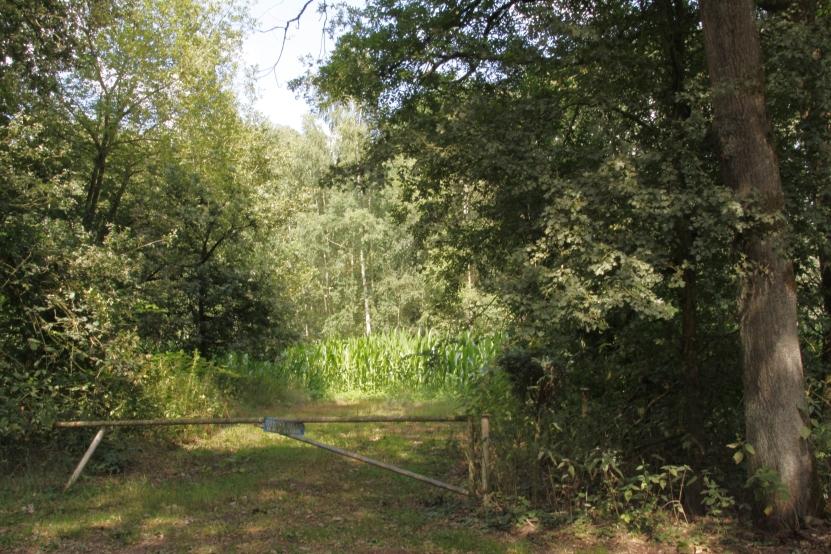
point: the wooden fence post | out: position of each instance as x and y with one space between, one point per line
486 436
471 459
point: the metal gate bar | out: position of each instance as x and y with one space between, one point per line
255 420
382 465
102 425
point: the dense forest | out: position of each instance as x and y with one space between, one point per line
605 223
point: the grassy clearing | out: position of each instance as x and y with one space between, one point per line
238 489
242 490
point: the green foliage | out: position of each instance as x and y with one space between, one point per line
256 383
544 170
563 151
356 266
613 448
177 385
128 223
715 499
389 363
818 431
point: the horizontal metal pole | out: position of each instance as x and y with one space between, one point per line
256 420
379 419
157 422
382 465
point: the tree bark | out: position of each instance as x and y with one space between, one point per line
96 182
774 388
115 203
201 316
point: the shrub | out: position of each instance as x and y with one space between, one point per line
575 454
177 384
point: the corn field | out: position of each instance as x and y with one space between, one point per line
379 363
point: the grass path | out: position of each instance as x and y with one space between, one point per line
242 490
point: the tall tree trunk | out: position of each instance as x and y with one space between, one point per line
774 388
694 409
326 287
365 289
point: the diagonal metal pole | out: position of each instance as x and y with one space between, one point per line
87 455
382 465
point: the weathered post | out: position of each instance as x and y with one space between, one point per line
584 401
486 436
471 458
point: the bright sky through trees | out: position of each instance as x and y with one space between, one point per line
305 41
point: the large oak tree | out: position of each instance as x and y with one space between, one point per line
774 385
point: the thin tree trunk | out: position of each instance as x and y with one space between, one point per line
689 359
676 29
774 388
325 283
201 317
115 202
96 182
326 246
365 287
825 273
